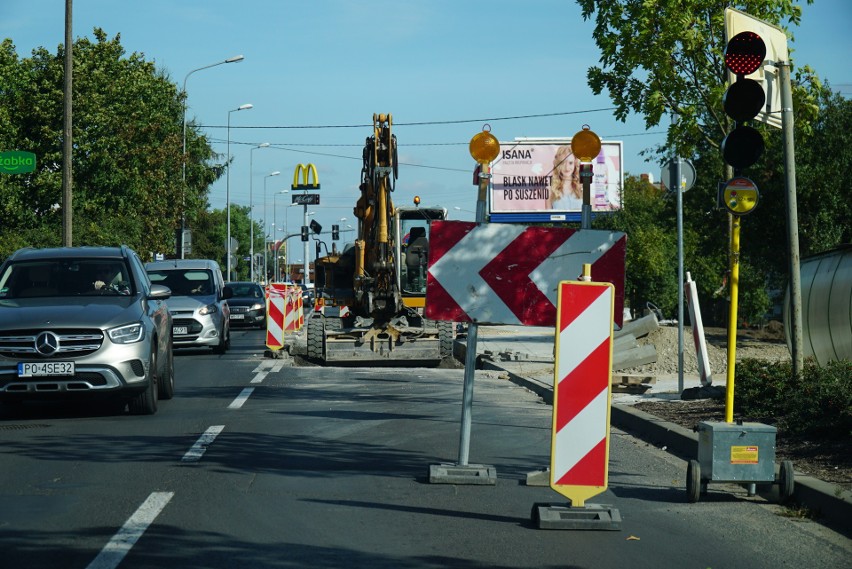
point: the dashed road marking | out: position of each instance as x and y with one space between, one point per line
195 453
241 398
126 537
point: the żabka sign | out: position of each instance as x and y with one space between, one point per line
17 162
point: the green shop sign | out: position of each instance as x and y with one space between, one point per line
17 162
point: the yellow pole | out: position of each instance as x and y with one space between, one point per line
732 319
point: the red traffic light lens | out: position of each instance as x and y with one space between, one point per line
745 53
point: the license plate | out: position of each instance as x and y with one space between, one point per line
42 369
238 316
180 330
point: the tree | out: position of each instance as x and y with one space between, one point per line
127 130
666 58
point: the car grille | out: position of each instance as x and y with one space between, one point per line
72 342
239 309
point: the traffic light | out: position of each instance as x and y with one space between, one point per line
335 232
304 233
744 99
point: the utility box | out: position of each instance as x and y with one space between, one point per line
736 452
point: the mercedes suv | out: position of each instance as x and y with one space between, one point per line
84 322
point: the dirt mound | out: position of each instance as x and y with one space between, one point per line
764 344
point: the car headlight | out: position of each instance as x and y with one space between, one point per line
256 306
127 334
209 309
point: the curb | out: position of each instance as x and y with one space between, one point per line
828 501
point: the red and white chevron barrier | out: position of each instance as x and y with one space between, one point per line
582 390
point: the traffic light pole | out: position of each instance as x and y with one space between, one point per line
797 348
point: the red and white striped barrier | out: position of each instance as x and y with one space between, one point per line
293 314
582 390
276 302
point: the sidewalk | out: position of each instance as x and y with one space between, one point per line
526 355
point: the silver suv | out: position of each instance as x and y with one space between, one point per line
200 315
84 321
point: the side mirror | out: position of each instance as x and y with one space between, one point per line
227 292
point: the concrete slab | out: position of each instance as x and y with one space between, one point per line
468 474
565 517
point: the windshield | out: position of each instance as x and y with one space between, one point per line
185 282
415 255
247 290
65 277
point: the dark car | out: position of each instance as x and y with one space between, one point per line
84 322
247 303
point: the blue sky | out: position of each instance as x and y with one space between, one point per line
336 62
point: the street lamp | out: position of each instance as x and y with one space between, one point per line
265 220
234 59
251 206
245 107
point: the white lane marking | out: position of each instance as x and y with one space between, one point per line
120 544
259 377
205 440
241 398
277 367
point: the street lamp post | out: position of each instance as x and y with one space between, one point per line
251 207
183 160
265 220
245 107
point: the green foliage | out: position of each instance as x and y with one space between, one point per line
666 58
127 157
819 402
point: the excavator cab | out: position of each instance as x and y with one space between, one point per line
412 226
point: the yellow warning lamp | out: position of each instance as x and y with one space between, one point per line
484 147
586 145
417 200
740 196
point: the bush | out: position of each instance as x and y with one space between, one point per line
819 402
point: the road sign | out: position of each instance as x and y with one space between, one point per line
508 274
306 199
687 174
740 196
581 390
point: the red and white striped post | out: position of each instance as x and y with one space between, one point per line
275 309
582 390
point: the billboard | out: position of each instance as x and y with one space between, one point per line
539 180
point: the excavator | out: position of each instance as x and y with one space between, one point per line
372 293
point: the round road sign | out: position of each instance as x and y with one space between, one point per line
740 196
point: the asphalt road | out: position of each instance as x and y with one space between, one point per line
256 463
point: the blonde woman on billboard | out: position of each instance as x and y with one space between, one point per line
566 192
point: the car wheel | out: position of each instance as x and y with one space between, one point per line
145 403
224 341
167 379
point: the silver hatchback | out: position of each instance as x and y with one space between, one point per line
86 322
200 313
